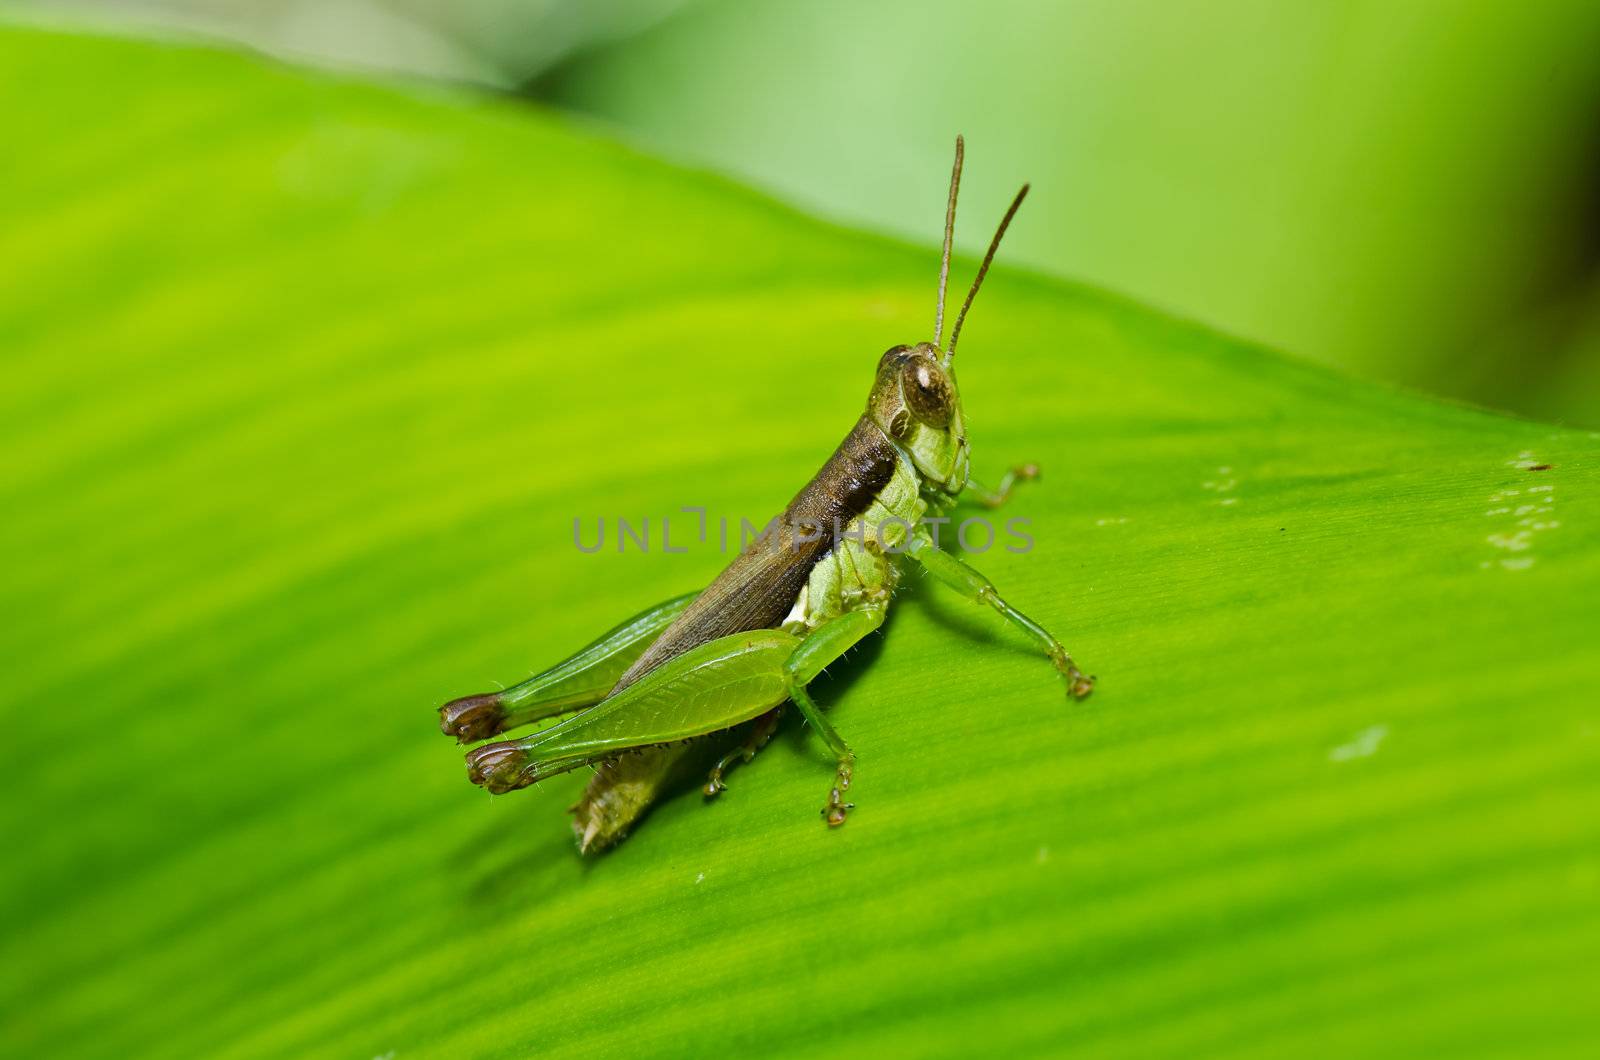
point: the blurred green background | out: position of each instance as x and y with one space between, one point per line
308 374
1408 190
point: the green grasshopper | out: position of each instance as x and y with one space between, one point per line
797 599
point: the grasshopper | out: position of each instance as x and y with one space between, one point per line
797 599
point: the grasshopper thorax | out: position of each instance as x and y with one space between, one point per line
916 404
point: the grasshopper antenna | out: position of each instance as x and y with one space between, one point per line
977 281
949 232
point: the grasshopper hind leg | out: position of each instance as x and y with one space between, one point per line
577 682
638 735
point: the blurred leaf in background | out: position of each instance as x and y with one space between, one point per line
1410 190
306 381
487 42
1407 189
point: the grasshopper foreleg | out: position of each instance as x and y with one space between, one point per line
967 581
994 498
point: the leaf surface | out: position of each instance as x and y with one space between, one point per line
306 384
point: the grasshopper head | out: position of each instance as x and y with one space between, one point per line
915 402
914 398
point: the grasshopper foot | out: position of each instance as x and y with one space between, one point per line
715 785
1079 684
836 809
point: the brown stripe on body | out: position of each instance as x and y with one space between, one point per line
758 589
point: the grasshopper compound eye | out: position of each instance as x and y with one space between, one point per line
928 392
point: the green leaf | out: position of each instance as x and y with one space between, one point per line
305 384
1258 165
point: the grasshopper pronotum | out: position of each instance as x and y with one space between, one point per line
787 606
